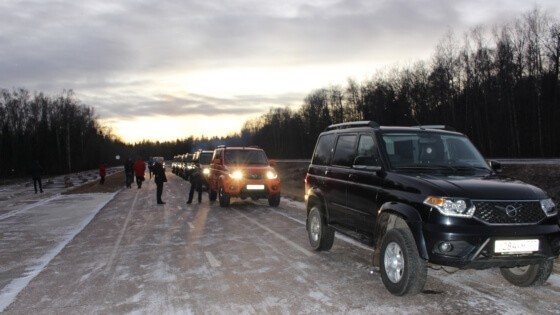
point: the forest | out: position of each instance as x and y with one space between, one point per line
499 85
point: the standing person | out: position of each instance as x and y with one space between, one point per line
139 170
150 166
196 183
102 173
36 173
159 174
128 172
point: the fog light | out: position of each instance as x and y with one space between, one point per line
445 247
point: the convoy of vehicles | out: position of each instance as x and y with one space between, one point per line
418 195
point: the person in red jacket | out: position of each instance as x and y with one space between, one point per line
102 173
139 168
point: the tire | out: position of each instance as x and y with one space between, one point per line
403 272
321 236
274 200
529 275
212 195
223 197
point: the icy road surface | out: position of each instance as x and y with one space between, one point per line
123 254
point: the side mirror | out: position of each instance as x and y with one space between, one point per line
217 161
272 162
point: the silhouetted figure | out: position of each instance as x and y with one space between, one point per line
102 173
128 172
36 173
196 183
159 178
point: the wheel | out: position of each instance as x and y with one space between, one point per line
321 236
223 197
403 272
212 195
274 200
530 275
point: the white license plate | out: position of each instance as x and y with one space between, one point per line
516 246
255 187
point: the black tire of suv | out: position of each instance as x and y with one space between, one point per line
530 275
274 200
223 197
414 269
321 236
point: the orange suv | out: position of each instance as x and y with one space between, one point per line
243 172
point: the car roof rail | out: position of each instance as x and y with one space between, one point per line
353 124
442 127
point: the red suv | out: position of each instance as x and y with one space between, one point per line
243 172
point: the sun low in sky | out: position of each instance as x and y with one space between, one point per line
167 70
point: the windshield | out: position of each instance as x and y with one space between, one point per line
253 157
205 158
430 149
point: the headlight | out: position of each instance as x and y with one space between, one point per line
206 171
548 207
236 175
271 175
451 206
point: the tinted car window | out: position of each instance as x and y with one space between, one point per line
344 151
323 151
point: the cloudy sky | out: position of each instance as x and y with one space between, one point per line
163 70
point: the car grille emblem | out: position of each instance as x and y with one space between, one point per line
510 210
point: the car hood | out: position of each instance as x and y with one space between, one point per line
477 187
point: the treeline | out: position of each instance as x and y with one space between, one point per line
498 85
58 131
65 136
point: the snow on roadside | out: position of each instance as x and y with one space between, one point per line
89 208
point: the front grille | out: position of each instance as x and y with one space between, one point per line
509 212
254 176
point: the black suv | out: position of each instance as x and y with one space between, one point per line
424 195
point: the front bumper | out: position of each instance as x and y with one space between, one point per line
473 247
252 189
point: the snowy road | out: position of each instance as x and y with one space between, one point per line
121 254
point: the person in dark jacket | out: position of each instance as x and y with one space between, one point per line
196 183
160 178
129 172
36 173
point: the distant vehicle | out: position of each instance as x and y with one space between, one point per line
424 195
186 165
155 158
203 158
243 172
